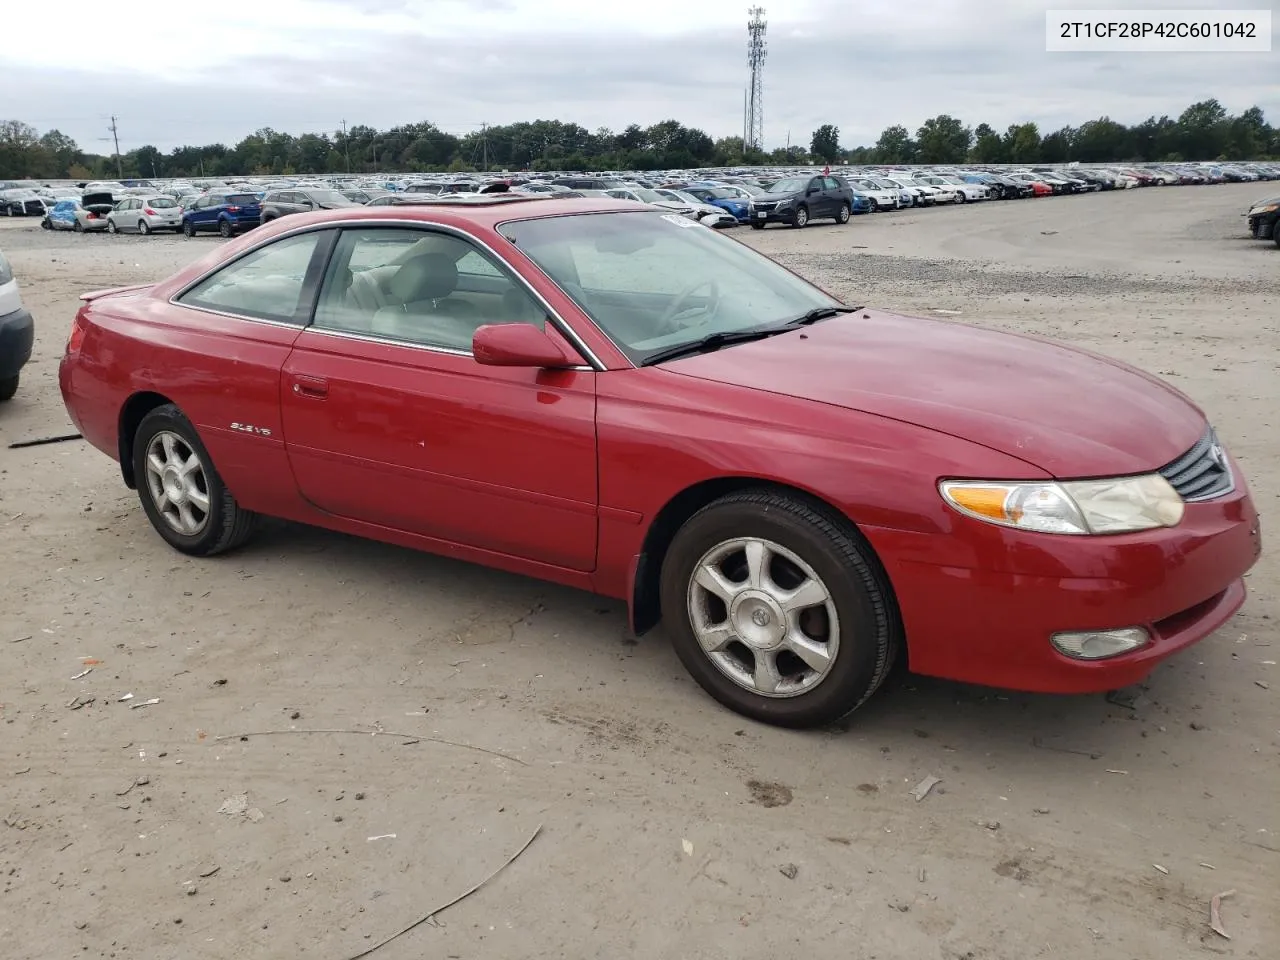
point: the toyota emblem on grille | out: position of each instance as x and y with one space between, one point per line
1218 456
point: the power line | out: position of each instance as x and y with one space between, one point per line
115 136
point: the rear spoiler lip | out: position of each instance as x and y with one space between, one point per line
110 291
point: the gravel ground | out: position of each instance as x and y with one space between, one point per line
1062 826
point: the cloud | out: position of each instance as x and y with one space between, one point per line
305 65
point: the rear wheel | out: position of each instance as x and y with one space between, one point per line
79 227
802 217
844 214
144 228
778 609
180 489
8 387
224 229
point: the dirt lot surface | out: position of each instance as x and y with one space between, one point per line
1062 827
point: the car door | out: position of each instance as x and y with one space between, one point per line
819 204
835 198
389 420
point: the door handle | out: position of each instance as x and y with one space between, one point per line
316 388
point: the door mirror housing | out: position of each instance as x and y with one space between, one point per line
519 345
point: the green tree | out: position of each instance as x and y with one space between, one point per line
943 139
1022 143
987 146
825 143
895 146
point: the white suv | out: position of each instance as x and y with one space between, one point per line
17 332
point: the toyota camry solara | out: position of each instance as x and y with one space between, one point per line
619 399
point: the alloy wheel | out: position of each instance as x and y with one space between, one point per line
177 483
763 617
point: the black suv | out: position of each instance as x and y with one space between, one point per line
797 200
279 203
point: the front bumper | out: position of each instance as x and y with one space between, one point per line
979 603
17 336
1262 226
786 214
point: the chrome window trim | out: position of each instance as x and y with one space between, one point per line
426 347
564 329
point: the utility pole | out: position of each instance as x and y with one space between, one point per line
346 145
116 137
484 143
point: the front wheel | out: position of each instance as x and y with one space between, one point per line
802 217
111 227
79 227
188 229
844 214
778 609
180 489
8 387
756 225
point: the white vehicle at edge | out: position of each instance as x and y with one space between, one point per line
709 215
926 193
880 197
947 192
967 191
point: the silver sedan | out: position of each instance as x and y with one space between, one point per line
145 214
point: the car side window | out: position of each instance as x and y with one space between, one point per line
265 284
423 287
815 183
830 183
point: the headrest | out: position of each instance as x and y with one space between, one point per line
428 276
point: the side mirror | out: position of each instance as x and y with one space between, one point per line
519 345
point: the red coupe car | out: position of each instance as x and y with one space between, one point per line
616 398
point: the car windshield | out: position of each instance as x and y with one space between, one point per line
648 196
653 281
790 185
750 188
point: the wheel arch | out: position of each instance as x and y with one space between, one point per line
131 414
645 605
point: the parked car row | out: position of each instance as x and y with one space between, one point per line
793 197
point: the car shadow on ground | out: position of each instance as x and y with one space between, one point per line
1028 731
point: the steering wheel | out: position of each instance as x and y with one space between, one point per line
678 304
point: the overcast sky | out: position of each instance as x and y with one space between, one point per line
175 73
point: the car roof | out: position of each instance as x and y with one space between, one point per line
482 210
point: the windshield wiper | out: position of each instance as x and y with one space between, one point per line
711 342
816 314
715 341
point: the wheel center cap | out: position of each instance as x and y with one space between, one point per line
758 621
174 488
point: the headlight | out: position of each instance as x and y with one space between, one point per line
1079 507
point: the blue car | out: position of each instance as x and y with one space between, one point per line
861 202
225 211
718 196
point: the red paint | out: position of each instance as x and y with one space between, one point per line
559 473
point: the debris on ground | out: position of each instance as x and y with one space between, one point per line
144 703
80 702
20 639
1164 870
61 438
789 870
1131 698
430 917
1215 914
236 805
206 874
924 786
414 737
83 673
383 836
1041 744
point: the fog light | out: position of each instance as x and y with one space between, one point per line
1099 644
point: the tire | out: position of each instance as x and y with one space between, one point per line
221 524
875 205
144 228
849 582
757 226
111 227
960 197
44 224
1275 232
79 227
801 219
844 214
8 387
188 229
225 229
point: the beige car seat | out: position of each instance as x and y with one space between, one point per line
422 307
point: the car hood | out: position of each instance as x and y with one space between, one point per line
1263 203
1067 411
774 197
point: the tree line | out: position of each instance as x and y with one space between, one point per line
1204 131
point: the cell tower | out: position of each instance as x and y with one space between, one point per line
753 135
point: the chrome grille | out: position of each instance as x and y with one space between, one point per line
1202 473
